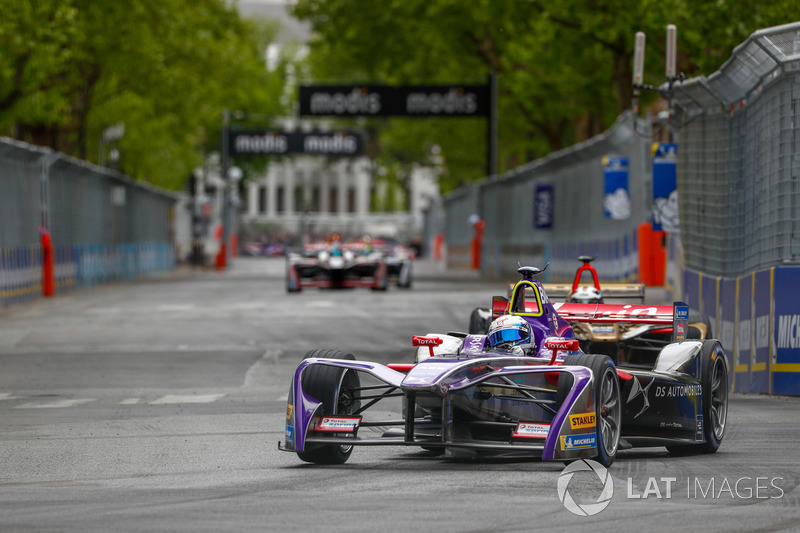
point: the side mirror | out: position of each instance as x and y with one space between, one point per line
557 344
430 342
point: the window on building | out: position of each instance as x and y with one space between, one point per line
333 200
315 199
351 200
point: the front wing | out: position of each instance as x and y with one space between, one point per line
447 388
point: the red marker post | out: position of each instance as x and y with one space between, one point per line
48 263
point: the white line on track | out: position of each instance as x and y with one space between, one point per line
56 404
187 398
129 401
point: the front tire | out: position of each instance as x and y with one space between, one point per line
714 383
336 388
607 401
478 321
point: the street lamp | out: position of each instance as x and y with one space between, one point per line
233 176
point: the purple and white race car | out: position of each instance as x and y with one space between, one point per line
474 395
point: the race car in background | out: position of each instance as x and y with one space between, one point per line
335 265
624 342
399 260
473 395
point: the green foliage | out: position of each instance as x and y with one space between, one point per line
166 69
564 68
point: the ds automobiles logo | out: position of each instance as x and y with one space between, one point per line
588 509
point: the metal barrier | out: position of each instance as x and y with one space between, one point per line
739 158
104 226
579 225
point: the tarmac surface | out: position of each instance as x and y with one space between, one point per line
158 404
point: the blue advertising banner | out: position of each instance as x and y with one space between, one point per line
742 358
762 296
665 188
727 319
691 289
785 368
543 206
616 200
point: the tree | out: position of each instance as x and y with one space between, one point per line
164 68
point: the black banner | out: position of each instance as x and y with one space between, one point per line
384 101
263 142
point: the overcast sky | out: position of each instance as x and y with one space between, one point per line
291 28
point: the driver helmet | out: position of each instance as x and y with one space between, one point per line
586 295
509 331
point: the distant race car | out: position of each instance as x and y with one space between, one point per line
335 265
399 261
629 343
525 389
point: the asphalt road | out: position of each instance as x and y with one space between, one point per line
157 405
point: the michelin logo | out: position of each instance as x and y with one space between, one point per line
789 331
577 442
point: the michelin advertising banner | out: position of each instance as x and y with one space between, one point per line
665 187
616 199
758 325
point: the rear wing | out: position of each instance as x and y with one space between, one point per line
613 313
632 291
629 291
675 315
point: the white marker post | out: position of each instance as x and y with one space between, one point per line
638 68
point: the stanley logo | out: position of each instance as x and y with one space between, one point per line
583 420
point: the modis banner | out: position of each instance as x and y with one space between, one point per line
388 101
261 142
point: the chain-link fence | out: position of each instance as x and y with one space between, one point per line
578 225
103 225
739 158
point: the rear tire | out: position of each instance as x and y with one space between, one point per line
607 401
291 284
714 383
334 387
704 331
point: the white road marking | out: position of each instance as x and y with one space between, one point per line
129 401
56 404
7 396
187 398
245 306
176 307
104 310
251 377
282 398
321 303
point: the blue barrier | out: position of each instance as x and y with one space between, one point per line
78 266
20 274
785 362
757 319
